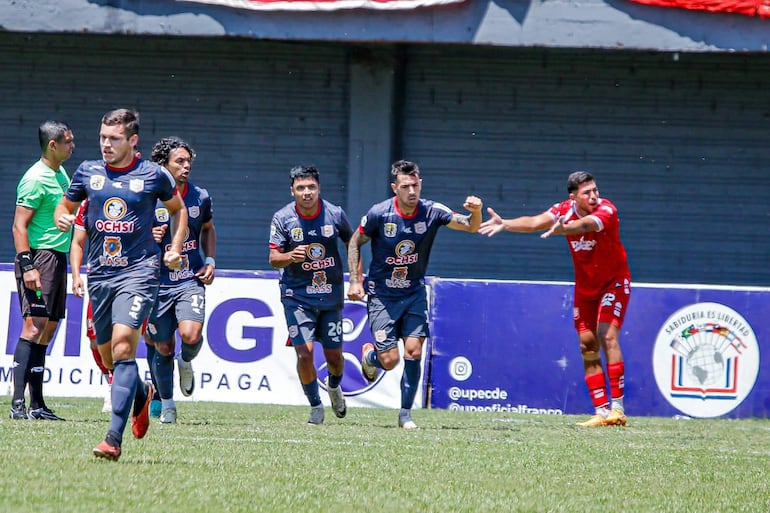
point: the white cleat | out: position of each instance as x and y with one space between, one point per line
338 401
168 416
316 415
186 376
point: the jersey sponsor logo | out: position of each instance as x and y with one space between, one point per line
420 227
405 254
194 211
398 279
184 272
297 235
313 265
706 359
115 208
582 245
162 215
97 182
319 283
389 229
136 185
327 230
112 253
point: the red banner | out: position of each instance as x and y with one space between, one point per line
759 8
323 5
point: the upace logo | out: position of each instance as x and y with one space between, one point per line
706 359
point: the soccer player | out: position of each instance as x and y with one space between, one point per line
402 230
304 238
124 275
77 249
40 266
181 298
591 226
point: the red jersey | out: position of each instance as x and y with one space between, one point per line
599 257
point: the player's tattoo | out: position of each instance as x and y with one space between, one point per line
462 219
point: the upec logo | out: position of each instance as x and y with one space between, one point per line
706 359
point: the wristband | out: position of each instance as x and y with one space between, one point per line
210 261
25 261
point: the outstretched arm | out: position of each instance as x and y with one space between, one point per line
584 225
524 224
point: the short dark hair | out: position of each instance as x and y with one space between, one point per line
126 117
578 178
161 152
298 172
51 130
404 167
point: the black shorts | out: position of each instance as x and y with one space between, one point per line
52 266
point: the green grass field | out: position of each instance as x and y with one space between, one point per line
258 458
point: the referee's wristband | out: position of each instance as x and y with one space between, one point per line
210 261
25 261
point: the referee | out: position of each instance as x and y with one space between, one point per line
40 266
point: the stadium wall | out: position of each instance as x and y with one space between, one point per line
677 142
495 346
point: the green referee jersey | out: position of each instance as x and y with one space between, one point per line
41 188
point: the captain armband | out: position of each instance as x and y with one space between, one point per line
25 261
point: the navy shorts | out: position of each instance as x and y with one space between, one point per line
308 324
183 302
394 319
52 266
125 298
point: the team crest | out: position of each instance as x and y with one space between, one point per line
97 182
194 211
115 208
316 251
390 229
136 185
112 246
327 230
420 227
161 214
297 235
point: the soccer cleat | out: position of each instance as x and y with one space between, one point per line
168 416
140 421
595 421
338 400
367 369
107 406
405 421
155 408
107 451
43 413
18 410
615 418
186 376
316 415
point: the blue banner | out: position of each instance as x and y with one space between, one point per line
692 351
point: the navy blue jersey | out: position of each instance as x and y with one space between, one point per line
199 212
120 210
401 245
319 280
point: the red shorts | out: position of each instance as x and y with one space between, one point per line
609 308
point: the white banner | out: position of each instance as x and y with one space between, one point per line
244 358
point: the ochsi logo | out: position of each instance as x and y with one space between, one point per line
706 359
